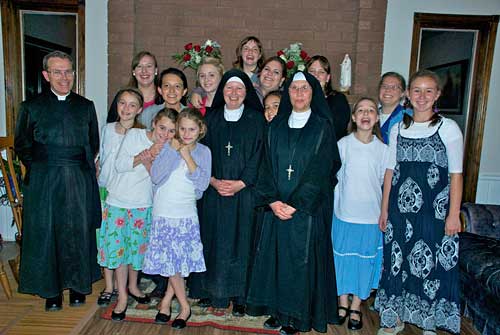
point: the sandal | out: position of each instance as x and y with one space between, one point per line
104 298
342 318
354 324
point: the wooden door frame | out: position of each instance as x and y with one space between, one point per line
11 31
486 27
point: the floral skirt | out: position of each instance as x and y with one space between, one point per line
174 247
123 237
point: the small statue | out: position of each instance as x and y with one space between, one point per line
345 74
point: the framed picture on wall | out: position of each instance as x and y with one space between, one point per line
453 80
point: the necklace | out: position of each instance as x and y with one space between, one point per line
291 154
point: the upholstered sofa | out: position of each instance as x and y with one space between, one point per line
479 261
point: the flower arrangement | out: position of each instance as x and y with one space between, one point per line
295 58
193 54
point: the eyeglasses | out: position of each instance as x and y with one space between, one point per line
390 87
62 73
303 89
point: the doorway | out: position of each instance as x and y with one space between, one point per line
459 48
30 31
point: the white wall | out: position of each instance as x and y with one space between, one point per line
396 57
96 78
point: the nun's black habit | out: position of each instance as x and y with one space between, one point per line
293 276
226 222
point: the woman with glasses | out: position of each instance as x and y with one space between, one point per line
292 277
391 92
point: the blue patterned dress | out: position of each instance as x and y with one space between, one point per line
420 283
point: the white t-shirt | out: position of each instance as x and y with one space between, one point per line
176 198
450 134
110 144
132 187
358 194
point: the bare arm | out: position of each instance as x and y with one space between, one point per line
452 224
384 211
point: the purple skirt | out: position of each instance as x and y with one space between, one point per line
174 247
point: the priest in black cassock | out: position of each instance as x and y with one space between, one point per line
293 277
57 139
235 135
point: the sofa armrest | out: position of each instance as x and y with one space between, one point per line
481 219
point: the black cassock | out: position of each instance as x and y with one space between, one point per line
293 276
57 141
226 223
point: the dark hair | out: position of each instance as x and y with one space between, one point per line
352 127
56 54
169 113
326 66
407 119
279 60
272 93
195 115
178 73
392 74
138 94
238 63
135 61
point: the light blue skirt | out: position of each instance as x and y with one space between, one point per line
358 253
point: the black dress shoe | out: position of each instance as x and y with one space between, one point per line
205 302
162 318
238 310
342 319
76 298
272 323
54 304
180 323
141 300
355 324
119 316
287 330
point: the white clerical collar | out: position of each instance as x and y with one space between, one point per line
298 120
60 97
233 115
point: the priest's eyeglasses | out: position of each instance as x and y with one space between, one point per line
62 73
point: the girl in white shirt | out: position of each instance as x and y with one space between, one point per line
127 211
357 240
129 105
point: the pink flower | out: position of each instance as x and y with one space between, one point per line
188 46
209 49
129 213
142 248
117 241
197 48
101 252
120 252
290 64
119 222
186 57
105 214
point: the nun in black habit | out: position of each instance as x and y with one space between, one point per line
235 136
293 276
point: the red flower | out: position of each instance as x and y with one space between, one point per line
279 53
188 46
307 59
186 57
303 54
119 222
209 49
290 64
197 48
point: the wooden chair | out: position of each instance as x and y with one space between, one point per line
12 172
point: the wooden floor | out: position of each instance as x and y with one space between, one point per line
25 315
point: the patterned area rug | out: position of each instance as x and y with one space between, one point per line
200 316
